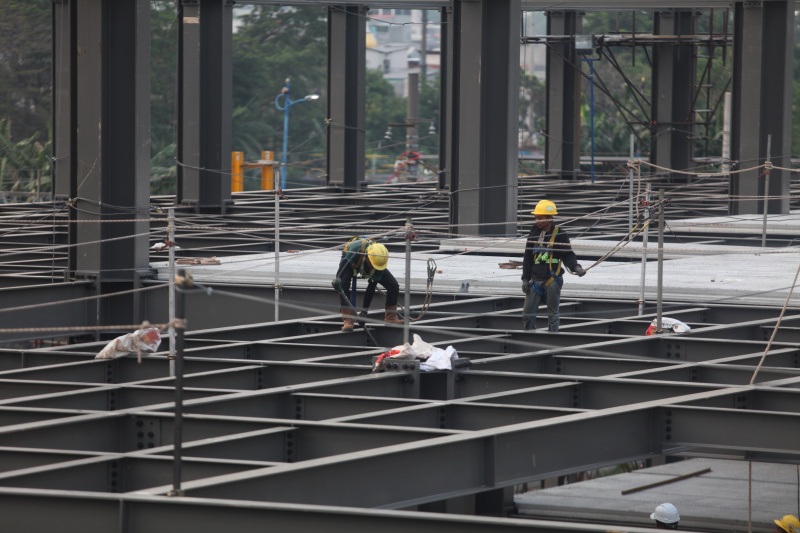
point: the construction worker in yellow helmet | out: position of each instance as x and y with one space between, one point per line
787 524
364 257
546 250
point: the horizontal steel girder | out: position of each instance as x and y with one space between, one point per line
136 513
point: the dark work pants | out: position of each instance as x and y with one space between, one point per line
552 297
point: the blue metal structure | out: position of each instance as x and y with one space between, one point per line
287 103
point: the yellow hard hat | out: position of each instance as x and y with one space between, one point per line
379 257
789 523
545 207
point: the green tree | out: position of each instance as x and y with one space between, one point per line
274 43
25 66
163 75
429 110
24 167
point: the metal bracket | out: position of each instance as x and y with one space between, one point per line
410 367
464 286
146 432
454 376
673 348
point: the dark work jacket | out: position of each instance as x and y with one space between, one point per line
561 249
353 264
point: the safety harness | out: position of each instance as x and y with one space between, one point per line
542 253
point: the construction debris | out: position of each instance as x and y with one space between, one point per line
198 261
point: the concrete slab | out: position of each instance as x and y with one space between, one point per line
709 502
788 224
760 277
598 248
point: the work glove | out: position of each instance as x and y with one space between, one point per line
580 271
337 284
526 286
362 315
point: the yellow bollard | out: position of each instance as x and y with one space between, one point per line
267 171
237 176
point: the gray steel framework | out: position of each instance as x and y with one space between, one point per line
673 88
763 44
277 415
205 85
284 424
482 126
347 30
562 144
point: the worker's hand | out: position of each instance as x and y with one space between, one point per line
526 286
362 315
337 284
580 271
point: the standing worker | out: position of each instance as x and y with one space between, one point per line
542 276
363 256
787 524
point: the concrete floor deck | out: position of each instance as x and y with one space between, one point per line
704 502
759 277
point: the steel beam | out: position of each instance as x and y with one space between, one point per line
346 95
673 88
508 455
762 99
22 511
110 152
58 305
446 97
485 93
205 85
563 121
63 93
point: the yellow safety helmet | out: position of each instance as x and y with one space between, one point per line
789 523
545 207
379 257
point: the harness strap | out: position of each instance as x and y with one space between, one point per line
554 276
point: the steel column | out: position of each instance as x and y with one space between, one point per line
347 51
762 99
563 121
673 87
62 97
205 81
446 160
485 92
110 155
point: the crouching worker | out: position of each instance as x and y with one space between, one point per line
365 257
546 249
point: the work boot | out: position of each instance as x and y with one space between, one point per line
349 322
391 315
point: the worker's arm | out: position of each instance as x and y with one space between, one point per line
368 294
345 270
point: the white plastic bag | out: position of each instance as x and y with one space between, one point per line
440 359
668 325
433 358
147 339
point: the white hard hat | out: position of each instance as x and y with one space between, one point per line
666 513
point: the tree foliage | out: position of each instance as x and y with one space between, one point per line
24 167
25 67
